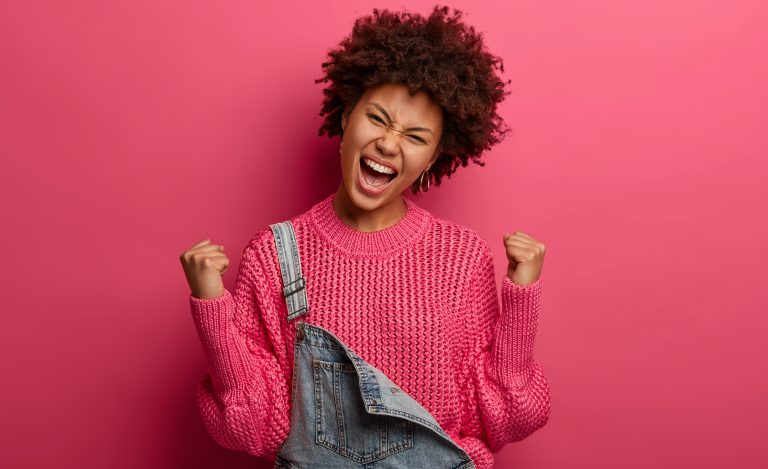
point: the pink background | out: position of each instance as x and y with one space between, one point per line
131 130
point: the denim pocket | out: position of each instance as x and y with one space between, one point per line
343 425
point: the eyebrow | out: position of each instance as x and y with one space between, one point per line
389 119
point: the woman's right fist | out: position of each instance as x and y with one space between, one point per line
204 264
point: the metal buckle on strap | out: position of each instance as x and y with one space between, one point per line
302 284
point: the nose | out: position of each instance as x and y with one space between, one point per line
387 143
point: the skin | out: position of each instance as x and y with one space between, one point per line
365 134
411 153
525 256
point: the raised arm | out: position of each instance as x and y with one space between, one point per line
244 397
507 396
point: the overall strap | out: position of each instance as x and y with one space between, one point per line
294 284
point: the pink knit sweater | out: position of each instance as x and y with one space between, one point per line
418 300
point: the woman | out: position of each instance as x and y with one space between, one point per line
412 294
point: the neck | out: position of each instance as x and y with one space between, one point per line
368 220
354 243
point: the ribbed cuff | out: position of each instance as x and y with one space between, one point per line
516 332
224 349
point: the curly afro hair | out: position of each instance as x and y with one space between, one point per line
439 55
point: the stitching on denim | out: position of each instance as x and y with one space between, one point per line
322 438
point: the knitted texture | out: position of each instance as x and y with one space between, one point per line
418 300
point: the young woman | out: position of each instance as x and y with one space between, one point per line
413 295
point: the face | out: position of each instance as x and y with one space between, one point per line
408 150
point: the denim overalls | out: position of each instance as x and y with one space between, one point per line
345 413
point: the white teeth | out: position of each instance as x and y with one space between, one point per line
376 166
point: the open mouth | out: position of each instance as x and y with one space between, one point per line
374 178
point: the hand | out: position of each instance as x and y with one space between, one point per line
204 264
525 256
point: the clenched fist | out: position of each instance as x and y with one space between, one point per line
204 264
526 258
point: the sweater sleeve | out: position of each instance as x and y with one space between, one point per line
244 397
507 397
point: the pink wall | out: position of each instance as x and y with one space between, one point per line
130 130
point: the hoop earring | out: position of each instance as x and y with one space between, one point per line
340 145
421 181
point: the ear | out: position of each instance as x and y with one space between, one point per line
344 119
434 158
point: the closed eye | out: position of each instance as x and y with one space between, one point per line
381 121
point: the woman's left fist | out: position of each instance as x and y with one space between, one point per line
526 257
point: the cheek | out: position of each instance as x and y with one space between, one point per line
416 162
361 134
411 172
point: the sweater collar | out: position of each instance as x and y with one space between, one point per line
380 243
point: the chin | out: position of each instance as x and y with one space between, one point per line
368 202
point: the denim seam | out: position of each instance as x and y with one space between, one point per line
321 437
